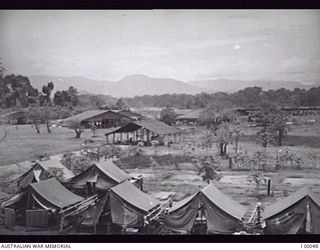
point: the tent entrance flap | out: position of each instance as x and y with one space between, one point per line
183 216
218 221
122 214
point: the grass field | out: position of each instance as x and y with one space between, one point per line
23 143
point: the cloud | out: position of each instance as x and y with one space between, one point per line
237 46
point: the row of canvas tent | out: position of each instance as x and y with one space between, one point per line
49 203
40 196
296 214
100 175
128 206
114 196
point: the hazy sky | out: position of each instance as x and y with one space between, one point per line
182 44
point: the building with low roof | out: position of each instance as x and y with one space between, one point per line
103 118
14 117
190 117
145 131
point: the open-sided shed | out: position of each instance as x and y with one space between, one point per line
145 131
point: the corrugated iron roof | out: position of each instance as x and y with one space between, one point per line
91 114
195 114
152 125
85 115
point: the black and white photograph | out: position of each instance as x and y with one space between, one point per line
160 122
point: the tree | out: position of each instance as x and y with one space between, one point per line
223 136
38 115
1 69
264 137
48 113
74 96
279 125
259 179
206 168
35 115
168 115
47 90
16 90
121 104
76 126
273 123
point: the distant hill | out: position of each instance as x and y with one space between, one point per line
226 85
138 85
129 86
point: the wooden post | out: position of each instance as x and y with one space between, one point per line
148 136
142 134
269 186
114 138
95 228
127 136
107 139
121 137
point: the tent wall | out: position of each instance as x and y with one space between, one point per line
223 215
218 221
9 217
183 218
288 221
122 214
37 218
315 217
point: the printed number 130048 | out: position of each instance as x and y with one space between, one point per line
309 246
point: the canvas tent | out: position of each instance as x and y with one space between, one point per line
44 198
222 214
101 175
130 206
298 213
42 170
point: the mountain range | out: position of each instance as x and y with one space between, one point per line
138 85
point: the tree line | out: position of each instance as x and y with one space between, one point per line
250 97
